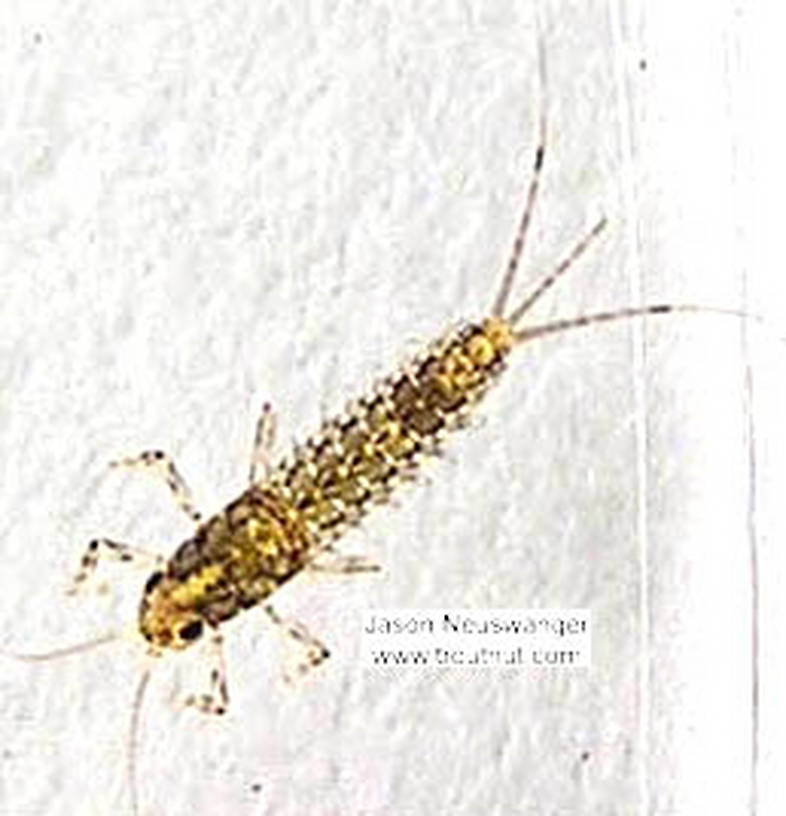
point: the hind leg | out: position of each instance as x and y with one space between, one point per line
264 438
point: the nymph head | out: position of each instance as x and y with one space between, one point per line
168 617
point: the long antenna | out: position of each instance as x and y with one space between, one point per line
66 651
133 736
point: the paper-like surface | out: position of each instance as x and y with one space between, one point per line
209 205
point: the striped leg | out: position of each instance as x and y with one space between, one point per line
105 547
264 439
316 651
216 700
163 466
330 561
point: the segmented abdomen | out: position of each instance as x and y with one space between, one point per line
355 459
240 556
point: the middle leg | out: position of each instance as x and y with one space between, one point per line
162 465
316 651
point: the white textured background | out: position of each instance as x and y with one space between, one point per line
208 204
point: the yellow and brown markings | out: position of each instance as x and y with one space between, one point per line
235 560
289 515
355 459
239 557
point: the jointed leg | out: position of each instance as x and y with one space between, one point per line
336 563
158 462
216 700
264 438
316 651
113 549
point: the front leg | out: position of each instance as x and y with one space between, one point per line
216 700
115 550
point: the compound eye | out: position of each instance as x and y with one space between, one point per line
153 581
191 631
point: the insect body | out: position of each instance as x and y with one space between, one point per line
289 517
235 560
274 529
